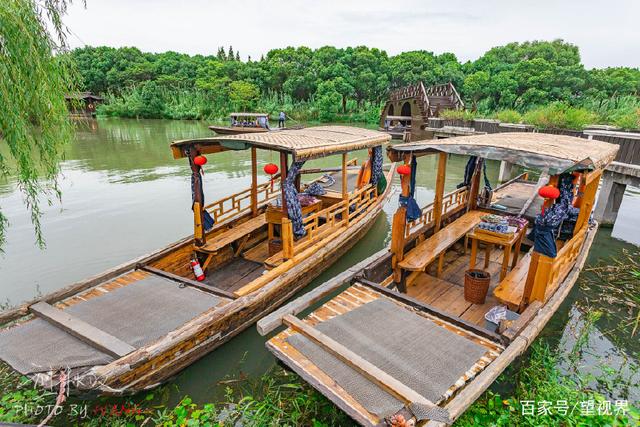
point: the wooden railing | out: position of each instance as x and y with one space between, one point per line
334 217
450 202
550 272
240 203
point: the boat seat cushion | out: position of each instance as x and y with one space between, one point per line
238 231
511 290
418 258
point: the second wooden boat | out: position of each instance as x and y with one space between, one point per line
133 327
412 338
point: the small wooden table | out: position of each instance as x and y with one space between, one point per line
509 242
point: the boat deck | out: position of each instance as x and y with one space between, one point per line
447 291
398 339
130 311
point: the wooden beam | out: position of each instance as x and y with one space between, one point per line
85 332
543 180
366 368
254 182
198 285
412 302
274 320
399 224
521 322
437 201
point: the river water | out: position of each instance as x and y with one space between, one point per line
124 195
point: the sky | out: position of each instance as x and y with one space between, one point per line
607 32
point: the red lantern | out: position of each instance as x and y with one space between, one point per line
271 169
404 169
200 160
549 192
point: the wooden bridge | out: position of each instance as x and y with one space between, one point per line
408 108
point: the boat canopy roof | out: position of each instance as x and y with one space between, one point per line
557 153
248 115
303 144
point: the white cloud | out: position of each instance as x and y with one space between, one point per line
607 33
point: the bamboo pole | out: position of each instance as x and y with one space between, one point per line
283 177
254 182
345 194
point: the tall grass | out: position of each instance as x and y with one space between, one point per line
558 115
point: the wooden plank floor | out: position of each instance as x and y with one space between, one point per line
447 292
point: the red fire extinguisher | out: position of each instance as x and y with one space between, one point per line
197 270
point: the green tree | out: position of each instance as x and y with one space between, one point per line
475 86
243 94
34 77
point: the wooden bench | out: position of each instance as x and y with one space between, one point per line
419 258
510 291
239 232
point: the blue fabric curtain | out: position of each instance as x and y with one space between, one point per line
468 173
291 196
413 210
546 225
376 165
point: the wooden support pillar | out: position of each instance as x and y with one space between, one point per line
287 238
199 234
399 225
254 182
437 201
345 191
284 167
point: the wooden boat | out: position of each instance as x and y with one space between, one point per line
246 123
133 327
401 340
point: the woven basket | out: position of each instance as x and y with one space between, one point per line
476 285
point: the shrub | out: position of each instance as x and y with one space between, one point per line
560 116
509 116
457 115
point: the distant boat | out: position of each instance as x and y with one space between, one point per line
418 331
133 327
246 123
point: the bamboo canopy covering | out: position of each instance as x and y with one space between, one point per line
557 153
248 115
303 144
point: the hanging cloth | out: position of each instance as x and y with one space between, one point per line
468 172
413 210
546 224
291 196
377 176
197 192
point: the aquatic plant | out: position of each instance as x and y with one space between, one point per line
508 116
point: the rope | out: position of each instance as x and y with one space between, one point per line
59 400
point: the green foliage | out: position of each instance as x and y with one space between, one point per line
560 116
306 83
458 115
509 116
540 380
33 115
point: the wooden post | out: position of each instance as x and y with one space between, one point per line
254 182
587 199
287 238
398 226
199 234
437 201
283 177
345 191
